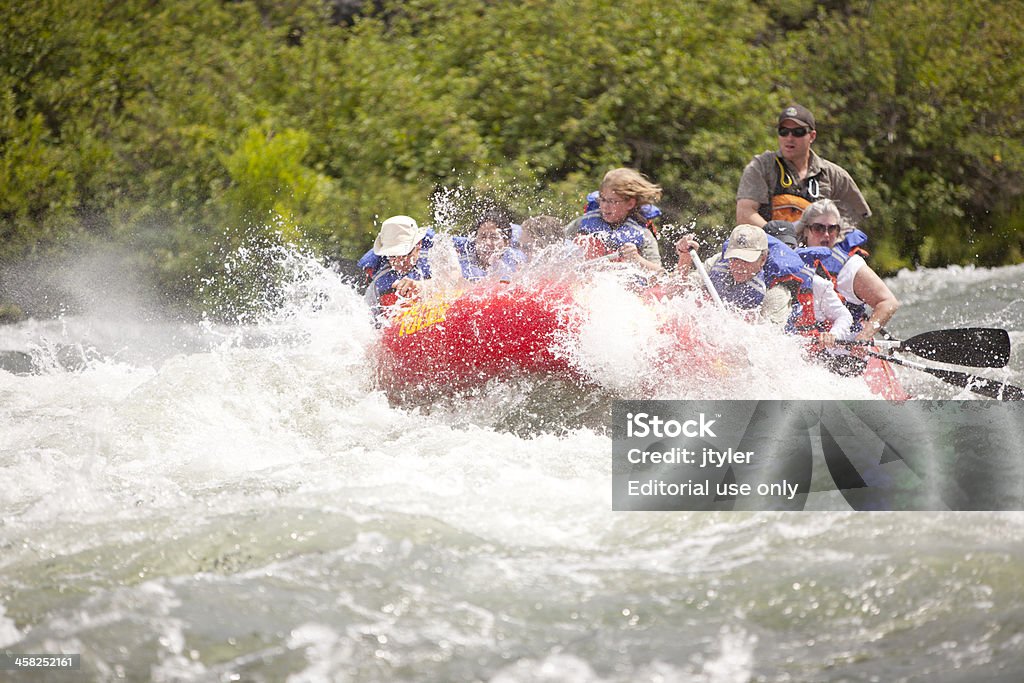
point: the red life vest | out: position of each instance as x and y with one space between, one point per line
828 262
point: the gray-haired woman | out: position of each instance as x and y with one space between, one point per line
826 241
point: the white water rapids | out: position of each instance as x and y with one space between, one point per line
183 503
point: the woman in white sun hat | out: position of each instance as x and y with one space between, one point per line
397 261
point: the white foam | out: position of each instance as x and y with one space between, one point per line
9 633
735 660
555 668
327 653
633 348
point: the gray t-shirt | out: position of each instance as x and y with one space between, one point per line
824 180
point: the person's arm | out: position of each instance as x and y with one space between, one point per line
831 308
647 257
753 191
870 289
629 252
650 249
406 287
684 262
747 212
687 275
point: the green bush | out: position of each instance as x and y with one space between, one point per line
182 131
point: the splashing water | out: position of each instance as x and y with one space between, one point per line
195 503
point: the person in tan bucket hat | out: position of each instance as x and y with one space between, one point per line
397 261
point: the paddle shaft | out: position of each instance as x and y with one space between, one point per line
699 265
600 259
979 385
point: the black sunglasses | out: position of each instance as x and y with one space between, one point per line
824 227
795 132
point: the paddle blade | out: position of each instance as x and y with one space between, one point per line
981 347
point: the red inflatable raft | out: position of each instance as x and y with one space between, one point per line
491 331
444 345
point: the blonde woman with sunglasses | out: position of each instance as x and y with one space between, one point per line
827 244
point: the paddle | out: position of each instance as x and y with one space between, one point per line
708 284
598 259
982 347
979 385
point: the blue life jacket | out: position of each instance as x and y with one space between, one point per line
650 212
782 266
630 232
833 260
745 295
510 260
828 262
785 267
381 277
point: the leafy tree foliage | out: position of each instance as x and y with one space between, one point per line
925 101
181 131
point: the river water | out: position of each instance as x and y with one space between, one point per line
204 503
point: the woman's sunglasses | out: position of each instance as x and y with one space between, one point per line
823 228
795 132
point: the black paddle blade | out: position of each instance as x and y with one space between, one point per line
978 385
980 347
